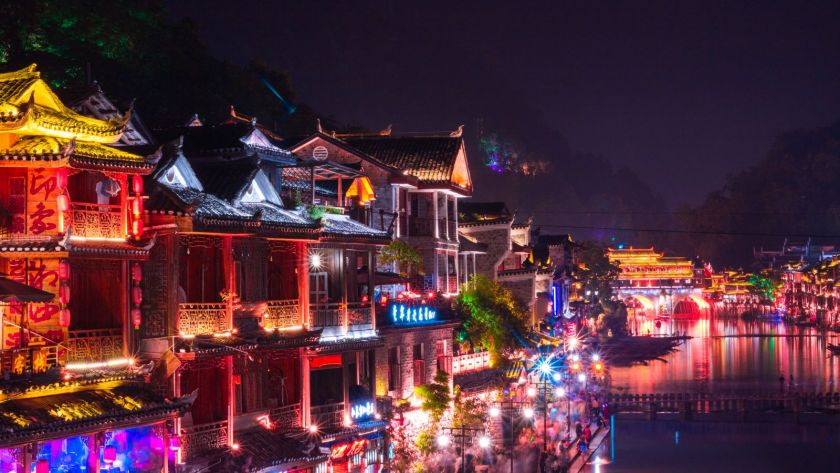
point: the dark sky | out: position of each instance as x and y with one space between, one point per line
683 93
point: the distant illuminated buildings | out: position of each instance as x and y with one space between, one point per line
654 285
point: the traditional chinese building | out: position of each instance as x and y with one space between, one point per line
273 303
73 396
656 285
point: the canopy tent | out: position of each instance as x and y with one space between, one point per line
13 291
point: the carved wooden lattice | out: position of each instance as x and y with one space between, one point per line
94 345
202 318
96 221
156 289
357 315
286 417
203 438
281 314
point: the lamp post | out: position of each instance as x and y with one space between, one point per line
462 433
510 406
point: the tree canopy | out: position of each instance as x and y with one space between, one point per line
409 260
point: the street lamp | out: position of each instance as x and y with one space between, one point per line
528 413
443 441
495 412
484 441
531 392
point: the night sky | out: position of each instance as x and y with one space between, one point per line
681 93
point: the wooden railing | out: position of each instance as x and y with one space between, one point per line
198 439
94 345
470 362
421 226
286 417
328 416
332 314
282 314
196 318
96 220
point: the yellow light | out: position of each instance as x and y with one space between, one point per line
313 429
116 362
315 261
222 334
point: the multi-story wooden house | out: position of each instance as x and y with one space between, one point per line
73 396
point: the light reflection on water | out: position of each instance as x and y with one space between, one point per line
727 356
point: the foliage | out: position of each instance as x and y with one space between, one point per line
435 396
492 316
316 212
595 270
406 456
134 51
765 284
614 318
408 259
468 412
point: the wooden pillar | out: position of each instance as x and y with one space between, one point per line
230 273
312 184
436 285
446 215
125 304
340 193
457 271
435 213
371 282
231 409
301 255
305 400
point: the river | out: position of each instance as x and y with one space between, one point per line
726 356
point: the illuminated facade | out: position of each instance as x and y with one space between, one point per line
72 396
654 285
811 293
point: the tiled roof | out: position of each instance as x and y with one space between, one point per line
274 215
343 226
13 84
184 200
66 414
228 137
470 245
226 180
483 213
554 240
429 158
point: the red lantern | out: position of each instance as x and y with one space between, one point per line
63 202
109 454
137 207
64 294
64 270
137 228
136 295
61 178
136 272
136 317
137 184
64 317
43 466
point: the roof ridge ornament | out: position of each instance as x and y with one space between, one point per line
458 132
69 148
386 131
318 125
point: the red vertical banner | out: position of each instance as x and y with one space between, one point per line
41 318
42 215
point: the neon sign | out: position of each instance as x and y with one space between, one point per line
348 449
402 314
362 410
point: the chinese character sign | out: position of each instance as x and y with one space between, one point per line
42 215
41 318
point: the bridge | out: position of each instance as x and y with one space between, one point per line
690 404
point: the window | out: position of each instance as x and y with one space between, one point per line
394 380
419 366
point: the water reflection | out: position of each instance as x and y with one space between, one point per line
729 356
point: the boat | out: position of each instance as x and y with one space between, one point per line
834 349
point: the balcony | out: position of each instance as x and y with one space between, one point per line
470 362
282 314
203 438
86 346
333 314
328 416
202 318
421 226
286 418
96 221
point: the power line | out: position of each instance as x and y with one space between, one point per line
695 232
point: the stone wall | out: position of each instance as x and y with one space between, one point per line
406 339
497 239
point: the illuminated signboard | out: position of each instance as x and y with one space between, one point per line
362 410
349 449
402 314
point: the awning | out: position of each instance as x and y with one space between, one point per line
13 291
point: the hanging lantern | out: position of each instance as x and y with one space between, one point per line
61 178
136 317
137 184
136 272
137 228
137 207
64 294
64 317
63 202
43 466
136 295
64 270
109 454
